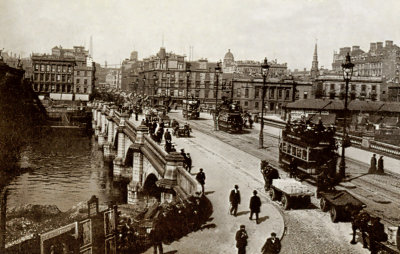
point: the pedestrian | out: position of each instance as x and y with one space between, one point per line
380 166
201 178
255 204
167 136
184 158
188 162
251 122
241 240
136 115
292 168
272 245
372 168
234 199
156 237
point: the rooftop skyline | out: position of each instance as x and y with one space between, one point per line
283 30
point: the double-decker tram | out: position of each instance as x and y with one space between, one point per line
229 117
308 147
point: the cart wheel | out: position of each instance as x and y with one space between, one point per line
323 204
273 194
285 201
334 214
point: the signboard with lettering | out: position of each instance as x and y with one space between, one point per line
85 234
93 206
60 239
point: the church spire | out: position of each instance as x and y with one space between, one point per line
314 66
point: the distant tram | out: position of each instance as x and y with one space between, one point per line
191 108
311 147
229 117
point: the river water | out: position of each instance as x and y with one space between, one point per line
67 167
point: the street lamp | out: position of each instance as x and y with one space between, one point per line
347 68
144 81
167 89
154 88
264 72
217 73
188 71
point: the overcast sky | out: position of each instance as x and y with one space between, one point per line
285 30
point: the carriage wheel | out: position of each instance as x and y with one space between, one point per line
273 194
285 202
334 214
323 204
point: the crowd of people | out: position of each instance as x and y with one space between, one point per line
171 221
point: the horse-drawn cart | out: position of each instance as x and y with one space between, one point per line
340 204
290 192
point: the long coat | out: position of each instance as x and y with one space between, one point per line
255 204
201 178
241 238
234 197
271 247
372 169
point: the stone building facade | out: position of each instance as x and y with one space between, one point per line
56 75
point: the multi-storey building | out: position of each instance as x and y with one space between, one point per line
379 61
113 78
250 67
130 72
360 88
55 75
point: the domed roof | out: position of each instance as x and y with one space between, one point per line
229 56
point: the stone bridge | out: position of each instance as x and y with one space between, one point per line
136 157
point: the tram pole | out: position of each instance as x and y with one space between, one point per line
264 72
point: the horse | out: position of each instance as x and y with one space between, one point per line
360 221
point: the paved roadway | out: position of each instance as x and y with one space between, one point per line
307 230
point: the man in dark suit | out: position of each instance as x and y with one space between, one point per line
201 178
272 245
234 199
241 240
255 204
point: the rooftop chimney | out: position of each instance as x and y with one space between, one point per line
388 44
379 45
372 46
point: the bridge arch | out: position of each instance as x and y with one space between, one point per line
150 188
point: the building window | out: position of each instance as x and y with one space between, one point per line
42 67
287 94
85 73
197 93
78 73
85 81
305 95
373 88
53 77
353 87
63 78
69 68
363 88
77 89
246 103
272 93
280 93
256 104
53 68
206 93
41 76
332 86
77 81
64 68
47 77
246 93
48 67
58 68
85 90
58 77
35 76
36 67
256 92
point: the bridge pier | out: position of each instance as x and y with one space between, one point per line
108 152
136 184
119 161
169 182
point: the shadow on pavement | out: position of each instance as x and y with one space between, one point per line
262 219
242 213
171 252
208 192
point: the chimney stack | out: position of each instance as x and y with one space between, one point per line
388 44
379 45
372 46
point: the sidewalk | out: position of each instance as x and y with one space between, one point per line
224 167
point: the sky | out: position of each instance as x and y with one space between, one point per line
285 30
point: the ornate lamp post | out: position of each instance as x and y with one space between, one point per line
347 74
144 82
154 89
188 71
217 73
264 72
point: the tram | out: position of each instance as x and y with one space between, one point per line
191 108
311 147
229 117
